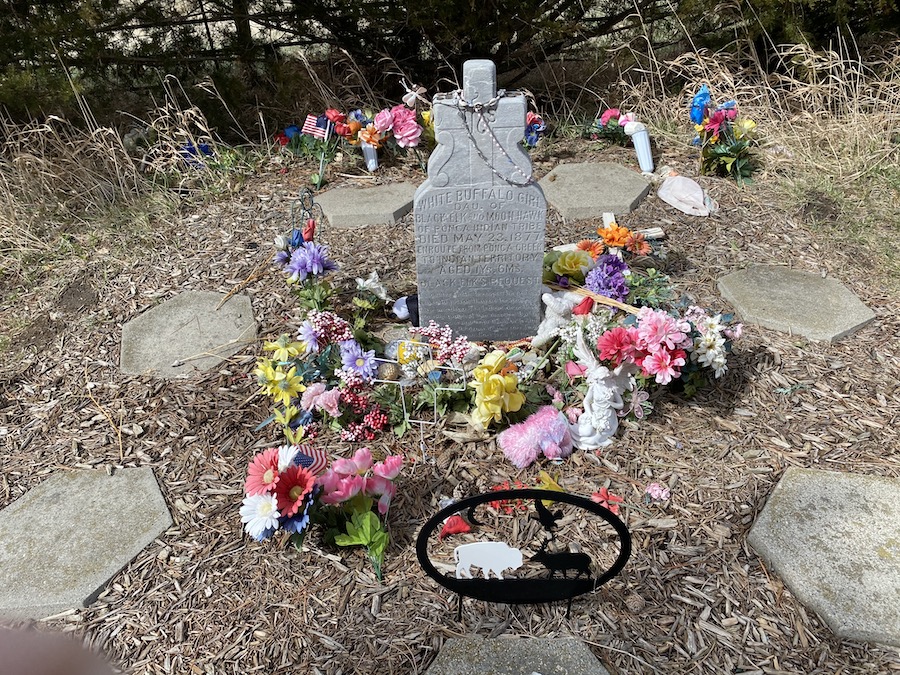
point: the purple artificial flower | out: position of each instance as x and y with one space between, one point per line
354 358
310 259
282 258
309 337
608 278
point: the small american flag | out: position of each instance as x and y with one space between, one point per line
315 126
314 460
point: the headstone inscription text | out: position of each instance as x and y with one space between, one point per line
479 218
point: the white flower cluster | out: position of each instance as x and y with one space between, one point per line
710 346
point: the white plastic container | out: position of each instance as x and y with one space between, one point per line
641 139
370 153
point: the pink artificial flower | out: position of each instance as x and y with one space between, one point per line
607 499
329 401
382 487
617 345
715 121
658 492
533 118
626 118
656 328
361 462
574 370
402 115
664 365
343 488
731 113
389 468
572 414
311 395
407 134
384 121
734 332
611 113
262 473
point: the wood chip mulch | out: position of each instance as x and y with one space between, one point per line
205 599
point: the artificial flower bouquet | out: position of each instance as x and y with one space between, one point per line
534 129
287 491
610 126
725 139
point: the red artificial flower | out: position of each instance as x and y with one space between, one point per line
342 129
309 231
454 525
335 115
262 473
295 484
607 499
583 307
281 138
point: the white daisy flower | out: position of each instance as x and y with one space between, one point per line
259 513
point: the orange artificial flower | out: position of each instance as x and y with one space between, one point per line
371 136
353 126
592 246
637 244
615 235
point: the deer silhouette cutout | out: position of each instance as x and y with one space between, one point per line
563 562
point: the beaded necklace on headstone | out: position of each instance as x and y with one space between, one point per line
462 105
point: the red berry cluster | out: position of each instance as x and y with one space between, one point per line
358 403
376 419
329 326
357 431
441 339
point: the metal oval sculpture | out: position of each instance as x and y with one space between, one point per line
493 558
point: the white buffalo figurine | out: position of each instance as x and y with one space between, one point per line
490 556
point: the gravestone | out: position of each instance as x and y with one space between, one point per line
479 216
515 656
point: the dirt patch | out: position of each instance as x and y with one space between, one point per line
78 296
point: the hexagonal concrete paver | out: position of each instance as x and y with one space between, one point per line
777 297
350 207
515 656
834 538
186 334
65 539
589 190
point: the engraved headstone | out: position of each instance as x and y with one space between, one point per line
479 216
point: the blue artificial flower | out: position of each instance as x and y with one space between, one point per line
698 105
296 238
265 534
360 117
533 134
309 260
189 153
309 336
608 278
291 131
354 358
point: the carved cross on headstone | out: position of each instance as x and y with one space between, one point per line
479 218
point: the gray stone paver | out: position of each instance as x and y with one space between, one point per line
62 541
515 656
352 207
834 539
777 297
589 190
186 330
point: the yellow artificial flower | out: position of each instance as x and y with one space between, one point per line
286 385
284 418
294 437
427 119
548 482
743 128
573 264
265 375
495 394
284 348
